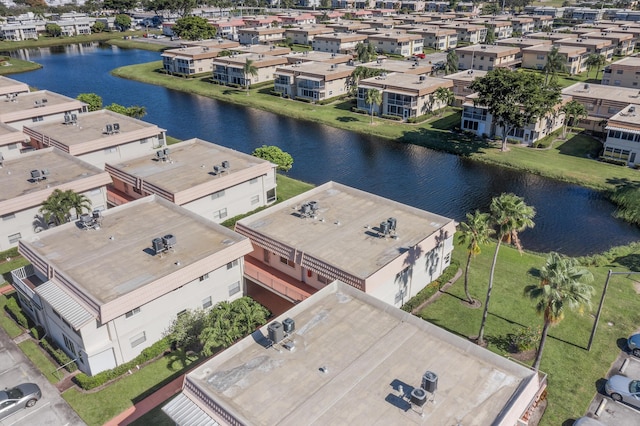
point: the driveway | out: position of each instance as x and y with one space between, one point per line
15 368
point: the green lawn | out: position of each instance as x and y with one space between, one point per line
14 65
566 161
96 408
288 187
40 360
573 372
7 323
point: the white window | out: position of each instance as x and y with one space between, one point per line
323 280
234 288
96 191
13 238
132 313
138 339
220 214
218 194
206 302
36 119
8 216
232 264
69 344
204 277
255 199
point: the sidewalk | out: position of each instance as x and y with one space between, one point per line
149 403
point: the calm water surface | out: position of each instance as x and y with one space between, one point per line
570 219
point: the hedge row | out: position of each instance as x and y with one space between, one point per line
58 354
432 287
16 312
92 382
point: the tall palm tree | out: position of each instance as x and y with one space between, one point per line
555 63
563 284
77 202
595 61
451 64
249 70
472 234
573 110
444 96
54 209
511 215
373 97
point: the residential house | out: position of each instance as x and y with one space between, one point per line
540 22
210 180
624 73
228 28
414 67
461 82
379 246
313 81
189 61
623 136
467 33
436 6
601 102
19 31
29 179
521 25
261 49
230 69
522 43
216 43
98 137
403 95
261 21
260 35
76 26
305 35
535 57
343 357
348 26
623 43
596 46
414 5
27 108
296 18
338 42
397 43
438 38
103 313
487 57
501 29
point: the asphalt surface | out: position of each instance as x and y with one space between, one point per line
15 368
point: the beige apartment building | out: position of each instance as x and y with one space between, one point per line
535 57
403 95
379 246
260 35
348 26
486 57
397 43
211 180
10 88
314 81
623 73
28 108
601 102
414 67
261 49
315 56
189 61
623 43
623 136
461 82
104 290
593 45
438 38
501 29
305 35
468 33
12 142
99 137
230 69
338 42
29 179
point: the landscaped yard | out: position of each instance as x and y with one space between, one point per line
573 372
40 360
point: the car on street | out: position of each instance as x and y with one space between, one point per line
22 396
634 344
622 388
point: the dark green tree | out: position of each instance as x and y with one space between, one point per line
98 27
472 234
491 35
595 61
555 63
194 28
451 64
58 207
514 99
373 98
277 156
120 6
123 22
93 100
53 30
365 52
573 110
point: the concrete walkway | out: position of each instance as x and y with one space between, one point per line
149 403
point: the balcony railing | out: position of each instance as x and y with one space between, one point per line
479 117
21 282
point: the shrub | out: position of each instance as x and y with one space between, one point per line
391 117
359 110
58 354
147 354
525 339
304 100
432 287
16 313
37 332
420 118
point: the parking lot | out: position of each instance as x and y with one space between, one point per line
15 368
608 411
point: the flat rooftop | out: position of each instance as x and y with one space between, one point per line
9 84
118 258
90 126
415 67
63 169
629 61
368 350
599 91
468 75
344 231
630 115
191 164
27 100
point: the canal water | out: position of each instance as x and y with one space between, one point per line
570 219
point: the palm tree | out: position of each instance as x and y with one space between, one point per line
451 64
555 64
373 97
573 110
562 284
595 61
249 70
510 214
77 202
444 96
136 111
57 207
472 234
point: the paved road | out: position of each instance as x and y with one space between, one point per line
15 368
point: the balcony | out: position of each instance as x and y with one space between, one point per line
472 116
25 280
278 281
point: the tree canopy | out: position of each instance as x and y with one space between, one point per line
123 21
514 99
365 52
194 28
53 30
93 100
57 208
282 159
